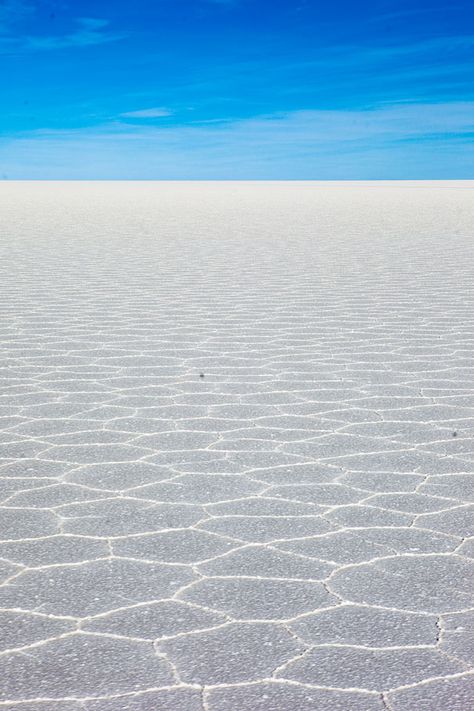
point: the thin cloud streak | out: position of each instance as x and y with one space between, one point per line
90 31
372 143
12 11
398 119
158 112
378 71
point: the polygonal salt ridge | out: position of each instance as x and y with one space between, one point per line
27 628
140 377
88 400
88 437
17 523
366 626
342 416
43 705
23 401
258 648
10 422
399 461
325 494
455 521
105 413
253 461
115 517
264 561
296 474
10 486
119 476
443 464
263 506
34 468
466 548
307 423
196 461
10 442
254 598
56 410
460 446
8 571
409 433
270 397
347 666
330 410
170 412
358 515
55 495
273 695
455 692
184 546
180 440
45 428
267 437
55 549
211 400
459 486
416 502
83 371
457 636
61 383
218 465
170 699
329 392
13 446
410 540
137 426
245 444
358 545
262 529
83 665
437 582
91 587
338 446
243 411
382 482
161 619
201 489
95 453
214 425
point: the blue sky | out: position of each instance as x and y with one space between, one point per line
236 89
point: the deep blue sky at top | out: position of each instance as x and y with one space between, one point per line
236 89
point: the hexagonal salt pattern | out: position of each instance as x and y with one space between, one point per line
236 447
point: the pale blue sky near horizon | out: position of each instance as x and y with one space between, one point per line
237 89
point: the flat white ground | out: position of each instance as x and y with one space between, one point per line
236 446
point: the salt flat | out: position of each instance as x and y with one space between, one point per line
236 446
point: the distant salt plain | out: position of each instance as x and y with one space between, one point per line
236 446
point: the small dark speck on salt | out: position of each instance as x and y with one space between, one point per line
201 375
455 434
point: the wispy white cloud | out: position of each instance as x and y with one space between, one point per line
12 11
428 69
350 55
157 112
90 31
400 13
387 141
